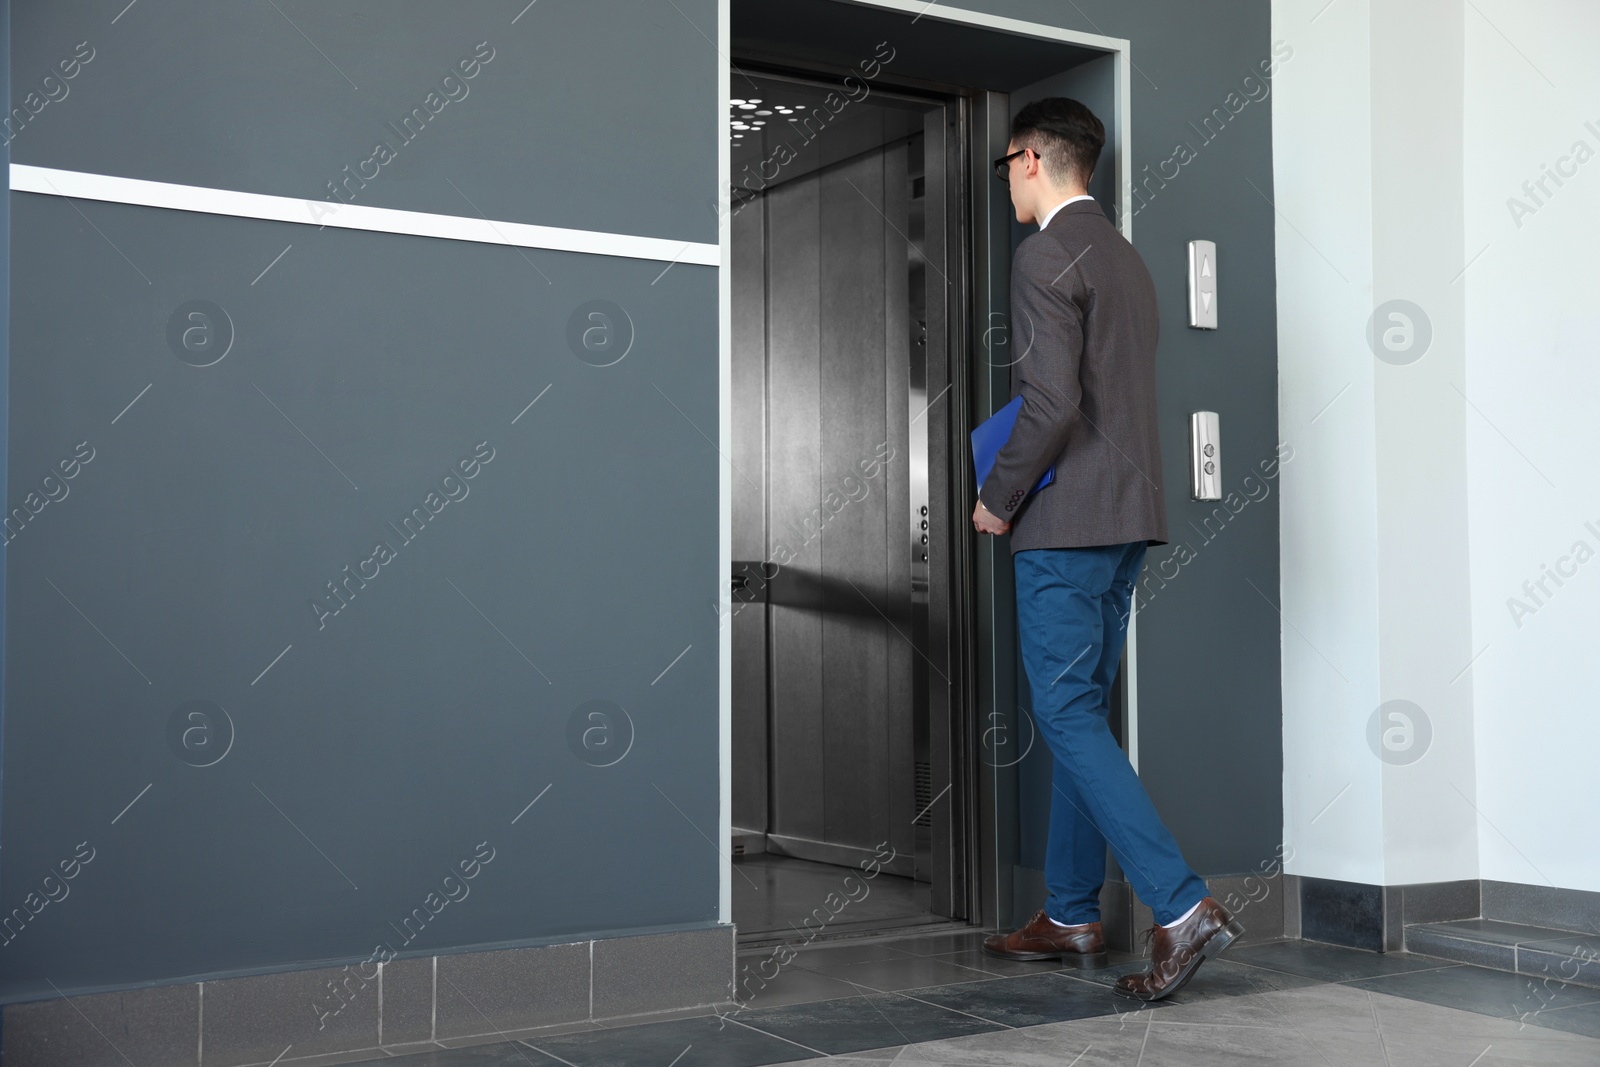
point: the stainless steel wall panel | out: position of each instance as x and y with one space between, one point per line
855 712
795 488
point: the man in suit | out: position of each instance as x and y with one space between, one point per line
1084 322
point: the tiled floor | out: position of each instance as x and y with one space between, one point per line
937 1000
775 895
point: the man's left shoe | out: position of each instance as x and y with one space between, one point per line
1176 953
1083 945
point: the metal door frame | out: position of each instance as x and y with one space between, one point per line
980 636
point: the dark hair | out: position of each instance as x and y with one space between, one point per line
1064 133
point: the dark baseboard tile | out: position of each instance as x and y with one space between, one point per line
1541 905
1437 902
255 1019
1575 959
1374 917
1342 913
514 989
660 972
408 989
1445 944
150 1026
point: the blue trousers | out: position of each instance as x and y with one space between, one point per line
1072 610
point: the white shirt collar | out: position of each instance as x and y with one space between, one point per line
1070 200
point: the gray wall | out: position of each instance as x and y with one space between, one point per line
380 750
419 721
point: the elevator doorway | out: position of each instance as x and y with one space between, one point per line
841 211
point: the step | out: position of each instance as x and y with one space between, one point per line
1536 951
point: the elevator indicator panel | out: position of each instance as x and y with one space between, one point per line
1203 285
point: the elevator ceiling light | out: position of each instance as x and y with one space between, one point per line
747 107
736 103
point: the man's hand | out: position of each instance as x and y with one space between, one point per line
985 522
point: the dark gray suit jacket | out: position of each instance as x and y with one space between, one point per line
1084 324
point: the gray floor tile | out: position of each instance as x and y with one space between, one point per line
1313 1006
1401 1015
1581 1019
701 1012
1329 963
693 1042
1231 1046
978 960
1480 990
941 943
1220 977
1416 1031
1111 1041
792 985
1460 947
530 1034
846 952
494 1054
1026 1001
776 894
873 1021
908 973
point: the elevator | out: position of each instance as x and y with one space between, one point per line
879 711
839 219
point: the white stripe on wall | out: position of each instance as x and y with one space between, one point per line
52 182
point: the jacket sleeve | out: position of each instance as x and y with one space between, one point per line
1047 324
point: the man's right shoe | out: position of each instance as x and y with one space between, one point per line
1176 952
1041 939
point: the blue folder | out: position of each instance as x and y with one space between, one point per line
991 436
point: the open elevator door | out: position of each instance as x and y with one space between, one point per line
842 285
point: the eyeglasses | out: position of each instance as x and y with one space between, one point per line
1002 166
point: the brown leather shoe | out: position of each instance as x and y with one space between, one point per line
1177 953
1041 939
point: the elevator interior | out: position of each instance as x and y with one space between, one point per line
834 215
